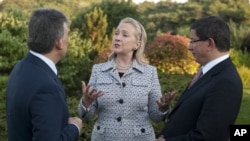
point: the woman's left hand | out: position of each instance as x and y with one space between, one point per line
165 101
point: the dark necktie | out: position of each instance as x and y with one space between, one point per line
196 77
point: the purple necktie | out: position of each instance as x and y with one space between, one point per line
196 77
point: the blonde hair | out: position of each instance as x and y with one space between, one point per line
141 36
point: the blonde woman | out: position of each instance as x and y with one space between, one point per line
123 90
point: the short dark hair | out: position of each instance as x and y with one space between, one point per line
213 27
45 27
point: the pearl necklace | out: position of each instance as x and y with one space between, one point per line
120 67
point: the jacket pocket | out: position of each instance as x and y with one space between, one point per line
139 83
104 80
98 133
140 88
104 83
99 128
142 130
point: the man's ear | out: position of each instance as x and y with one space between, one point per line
211 42
58 44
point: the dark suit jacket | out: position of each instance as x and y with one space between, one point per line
36 104
206 110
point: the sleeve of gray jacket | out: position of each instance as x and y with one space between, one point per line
89 113
154 95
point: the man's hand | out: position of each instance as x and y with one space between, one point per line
76 121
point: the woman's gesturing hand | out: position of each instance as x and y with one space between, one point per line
89 94
165 100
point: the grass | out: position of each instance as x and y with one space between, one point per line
244 114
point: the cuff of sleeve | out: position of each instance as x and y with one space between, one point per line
84 108
79 130
164 113
167 112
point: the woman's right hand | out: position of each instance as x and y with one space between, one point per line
89 94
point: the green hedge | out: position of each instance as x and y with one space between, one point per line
3 128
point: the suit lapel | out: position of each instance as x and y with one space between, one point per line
192 91
201 83
60 87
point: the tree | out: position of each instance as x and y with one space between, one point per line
96 26
12 39
169 54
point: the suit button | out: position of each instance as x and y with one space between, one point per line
143 130
119 119
98 127
121 101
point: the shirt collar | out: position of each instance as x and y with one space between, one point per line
50 63
214 62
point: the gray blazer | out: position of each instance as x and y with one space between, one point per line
128 103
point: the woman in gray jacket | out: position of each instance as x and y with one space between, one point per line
124 91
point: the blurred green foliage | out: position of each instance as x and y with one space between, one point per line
3 126
243 117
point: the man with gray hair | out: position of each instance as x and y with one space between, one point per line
35 98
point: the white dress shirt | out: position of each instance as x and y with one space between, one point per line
50 63
214 62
